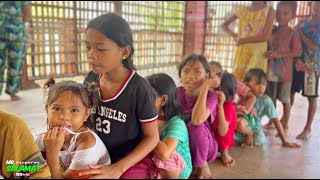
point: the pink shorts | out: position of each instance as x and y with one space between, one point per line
174 163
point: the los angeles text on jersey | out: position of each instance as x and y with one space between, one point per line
110 113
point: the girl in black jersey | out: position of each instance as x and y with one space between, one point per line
125 118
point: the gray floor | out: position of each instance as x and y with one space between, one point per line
268 161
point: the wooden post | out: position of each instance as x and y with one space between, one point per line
26 83
118 7
195 26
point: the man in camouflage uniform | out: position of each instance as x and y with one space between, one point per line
13 14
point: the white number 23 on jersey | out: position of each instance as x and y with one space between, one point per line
103 125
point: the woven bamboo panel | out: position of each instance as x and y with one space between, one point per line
56 34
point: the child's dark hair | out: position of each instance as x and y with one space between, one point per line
219 66
117 29
163 84
292 4
228 85
195 57
258 73
85 92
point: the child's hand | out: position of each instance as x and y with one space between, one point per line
75 175
290 144
221 97
237 40
240 41
298 28
213 81
242 110
273 54
103 171
53 140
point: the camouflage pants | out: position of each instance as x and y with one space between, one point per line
12 50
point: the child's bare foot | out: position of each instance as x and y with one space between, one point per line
285 131
266 132
166 174
304 135
15 97
269 125
227 160
204 172
248 141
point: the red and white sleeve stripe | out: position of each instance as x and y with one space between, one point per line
149 120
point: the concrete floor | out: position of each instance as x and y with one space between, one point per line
270 160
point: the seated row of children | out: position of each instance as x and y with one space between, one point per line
195 121
148 127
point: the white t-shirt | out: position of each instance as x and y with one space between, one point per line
80 159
